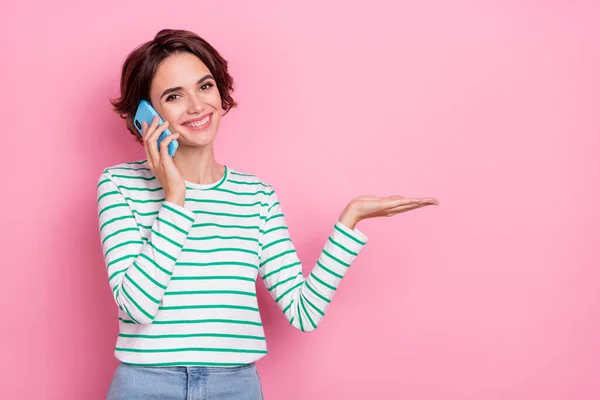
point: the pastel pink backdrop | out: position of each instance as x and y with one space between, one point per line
490 106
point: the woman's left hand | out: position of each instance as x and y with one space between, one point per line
365 207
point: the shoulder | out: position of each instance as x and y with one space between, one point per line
248 180
244 182
136 172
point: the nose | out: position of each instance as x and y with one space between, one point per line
195 106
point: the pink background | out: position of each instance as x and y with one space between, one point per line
490 106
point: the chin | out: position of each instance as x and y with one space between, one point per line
198 141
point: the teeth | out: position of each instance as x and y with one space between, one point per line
198 123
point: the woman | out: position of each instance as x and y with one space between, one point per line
185 238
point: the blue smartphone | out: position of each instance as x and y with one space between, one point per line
145 112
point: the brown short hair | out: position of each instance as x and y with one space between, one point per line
140 67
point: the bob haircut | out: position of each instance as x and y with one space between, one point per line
141 64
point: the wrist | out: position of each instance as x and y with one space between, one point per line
176 199
349 219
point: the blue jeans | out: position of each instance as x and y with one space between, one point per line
185 383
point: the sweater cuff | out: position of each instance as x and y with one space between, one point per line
353 239
356 234
180 217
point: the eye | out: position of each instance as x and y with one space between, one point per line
172 97
206 86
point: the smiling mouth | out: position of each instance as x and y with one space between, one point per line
198 123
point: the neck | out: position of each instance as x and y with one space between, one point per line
198 164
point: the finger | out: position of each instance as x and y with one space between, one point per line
429 200
405 209
398 202
152 141
164 147
149 158
154 123
386 203
396 210
394 198
389 204
154 130
146 135
152 158
417 200
144 128
147 130
154 135
145 143
150 130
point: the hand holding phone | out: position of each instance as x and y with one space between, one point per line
146 113
160 159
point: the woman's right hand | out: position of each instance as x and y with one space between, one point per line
161 163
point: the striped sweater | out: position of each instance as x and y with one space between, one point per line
184 278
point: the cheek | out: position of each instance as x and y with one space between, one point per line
173 113
215 101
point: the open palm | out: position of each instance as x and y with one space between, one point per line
374 206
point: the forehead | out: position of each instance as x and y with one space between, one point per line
178 70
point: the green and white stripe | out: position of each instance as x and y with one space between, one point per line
184 278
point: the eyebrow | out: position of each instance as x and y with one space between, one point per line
175 89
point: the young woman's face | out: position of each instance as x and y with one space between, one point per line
185 93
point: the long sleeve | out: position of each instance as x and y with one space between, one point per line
139 268
303 300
